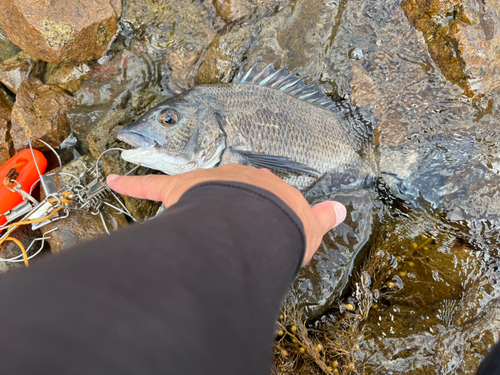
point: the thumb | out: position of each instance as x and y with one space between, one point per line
329 214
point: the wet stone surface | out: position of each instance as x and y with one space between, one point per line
58 30
6 146
463 40
235 10
66 76
7 48
17 69
40 111
320 284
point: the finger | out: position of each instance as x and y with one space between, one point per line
152 187
329 215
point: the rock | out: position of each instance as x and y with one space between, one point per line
297 36
150 39
233 10
18 69
183 65
67 76
224 56
463 40
7 48
6 146
109 85
61 30
141 101
319 284
40 111
9 249
103 137
80 226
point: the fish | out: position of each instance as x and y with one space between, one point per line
266 118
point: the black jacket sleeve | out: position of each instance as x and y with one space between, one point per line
194 291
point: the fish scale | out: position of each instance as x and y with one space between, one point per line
265 118
278 124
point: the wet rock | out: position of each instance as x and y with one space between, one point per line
57 30
40 111
319 285
7 48
233 10
224 56
10 250
141 101
103 137
472 203
6 146
463 40
109 85
298 36
17 69
80 226
151 38
183 65
66 76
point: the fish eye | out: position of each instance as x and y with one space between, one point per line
169 117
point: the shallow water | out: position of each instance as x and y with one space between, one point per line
438 153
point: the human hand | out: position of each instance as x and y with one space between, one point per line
317 220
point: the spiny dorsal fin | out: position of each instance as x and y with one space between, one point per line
293 85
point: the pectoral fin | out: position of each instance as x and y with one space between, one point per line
275 163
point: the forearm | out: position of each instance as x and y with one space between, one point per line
193 291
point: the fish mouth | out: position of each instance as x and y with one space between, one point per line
135 139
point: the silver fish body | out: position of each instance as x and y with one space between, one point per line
266 118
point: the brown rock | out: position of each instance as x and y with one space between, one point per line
67 76
7 48
224 55
103 137
461 39
232 10
6 147
61 30
184 65
295 36
18 69
40 111
81 226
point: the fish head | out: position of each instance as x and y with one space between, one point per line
179 135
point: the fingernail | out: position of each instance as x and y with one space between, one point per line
340 212
112 177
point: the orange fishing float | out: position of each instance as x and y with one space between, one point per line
22 169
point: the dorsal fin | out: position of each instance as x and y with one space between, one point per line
291 84
295 86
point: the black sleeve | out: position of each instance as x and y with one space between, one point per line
194 291
491 364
